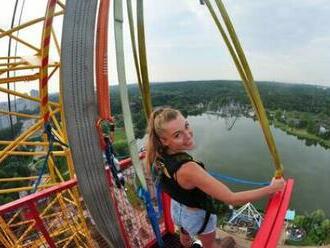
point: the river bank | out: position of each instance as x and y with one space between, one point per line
302 133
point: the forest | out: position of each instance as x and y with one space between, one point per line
292 107
299 109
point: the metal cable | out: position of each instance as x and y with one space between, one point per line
16 45
8 60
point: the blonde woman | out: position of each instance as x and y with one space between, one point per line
191 188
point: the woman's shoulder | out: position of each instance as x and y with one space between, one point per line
174 162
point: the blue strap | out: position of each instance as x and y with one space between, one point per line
51 139
153 216
159 199
237 180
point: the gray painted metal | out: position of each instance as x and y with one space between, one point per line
80 107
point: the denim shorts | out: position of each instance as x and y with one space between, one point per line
191 220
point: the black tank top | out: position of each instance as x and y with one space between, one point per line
194 198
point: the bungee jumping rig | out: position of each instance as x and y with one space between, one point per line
79 194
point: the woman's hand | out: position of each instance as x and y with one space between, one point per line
276 184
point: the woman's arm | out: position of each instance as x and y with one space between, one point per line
191 175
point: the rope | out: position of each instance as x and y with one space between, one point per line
52 138
236 180
243 68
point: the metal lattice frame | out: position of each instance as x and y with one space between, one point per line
36 63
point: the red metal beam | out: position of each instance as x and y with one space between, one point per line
126 163
166 201
101 68
40 225
278 225
270 230
37 196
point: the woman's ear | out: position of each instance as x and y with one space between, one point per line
163 141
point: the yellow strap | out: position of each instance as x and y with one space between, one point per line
143 58
243 68
140 59
135 54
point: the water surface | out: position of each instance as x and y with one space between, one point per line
242 152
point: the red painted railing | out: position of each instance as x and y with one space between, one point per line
270 231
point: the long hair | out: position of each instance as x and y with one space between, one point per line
157 119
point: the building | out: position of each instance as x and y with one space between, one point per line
5 121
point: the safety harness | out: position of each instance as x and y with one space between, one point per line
168 165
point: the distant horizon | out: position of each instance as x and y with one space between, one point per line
204 80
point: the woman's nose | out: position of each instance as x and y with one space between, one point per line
188 133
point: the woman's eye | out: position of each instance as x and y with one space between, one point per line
177 135
187 125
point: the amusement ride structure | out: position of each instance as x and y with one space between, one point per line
78 190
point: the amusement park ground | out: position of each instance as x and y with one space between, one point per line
244 243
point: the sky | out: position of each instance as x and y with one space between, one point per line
284 41
287 41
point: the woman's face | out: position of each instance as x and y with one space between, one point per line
177 135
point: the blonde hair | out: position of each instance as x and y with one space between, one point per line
157 119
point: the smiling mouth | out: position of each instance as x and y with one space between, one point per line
190 143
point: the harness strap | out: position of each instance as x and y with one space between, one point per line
206 220
202 229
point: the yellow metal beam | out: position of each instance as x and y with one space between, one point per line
64 240
14 179
20 138
57 44
53 71
22 236
27 24
25 222
58 127
28 67
21 41
10 57
28 143
19 78
61 4
10 235
65 215
4 241
25 96
36 153
12 64
18 212
27 188
19 114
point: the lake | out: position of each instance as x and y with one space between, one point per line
243 153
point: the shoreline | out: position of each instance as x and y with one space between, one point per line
301 134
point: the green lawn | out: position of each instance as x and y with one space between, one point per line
301 133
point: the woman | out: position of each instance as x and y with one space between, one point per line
191 188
